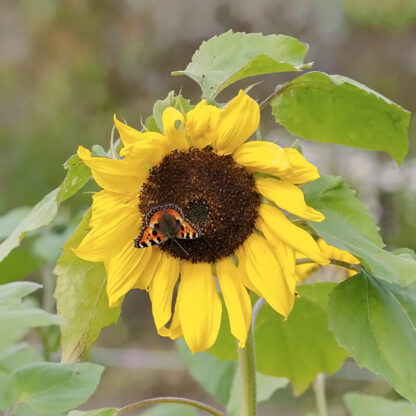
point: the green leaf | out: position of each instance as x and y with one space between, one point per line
300 347
213 375
336 109
172 100
225 59
17 265
365 405
348 226
109 411
81 298
45 211
170 409
11 294
151 125
51 388
77 176
375 322
11 359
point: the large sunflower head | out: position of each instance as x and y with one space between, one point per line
197 211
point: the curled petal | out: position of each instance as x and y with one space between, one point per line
200 124
236 123
236 298
173 124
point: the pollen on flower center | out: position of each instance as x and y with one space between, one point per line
214 193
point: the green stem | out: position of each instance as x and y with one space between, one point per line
180 400
319 389
247 363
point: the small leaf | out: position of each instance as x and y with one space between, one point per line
77 176
182 104
81 298
348 226
225 59
51 388
375 322
11 294
365 405
109 411
335 109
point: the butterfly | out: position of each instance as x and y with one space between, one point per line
163 223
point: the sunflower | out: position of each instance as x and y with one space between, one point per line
229 189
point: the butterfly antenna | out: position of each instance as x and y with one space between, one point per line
173 239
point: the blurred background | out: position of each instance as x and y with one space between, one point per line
67 66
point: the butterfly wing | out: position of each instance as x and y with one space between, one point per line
148 237
154 216
188 231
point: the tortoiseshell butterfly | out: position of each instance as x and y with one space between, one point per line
163 223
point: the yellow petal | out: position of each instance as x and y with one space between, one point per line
284 254
261 156
200 122
173 124
124 270
200 307
146 277
161 289
236 123
288 197
113 175
127 134
290 234
175 330
115 221
301 171
264 273
236 299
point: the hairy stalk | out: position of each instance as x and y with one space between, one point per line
355 267
180 400
320 397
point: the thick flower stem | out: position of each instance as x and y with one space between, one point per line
247 362
319 388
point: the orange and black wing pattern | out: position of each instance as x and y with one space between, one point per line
149 237
188 231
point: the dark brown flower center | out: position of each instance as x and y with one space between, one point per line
214 193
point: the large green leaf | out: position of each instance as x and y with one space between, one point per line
17 265
11 294
300 347
364 405
81 298
12 358
45 211
375 322
336 109
51 388
225 59
170 409
348 226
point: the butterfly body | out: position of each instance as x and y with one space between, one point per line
163 223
